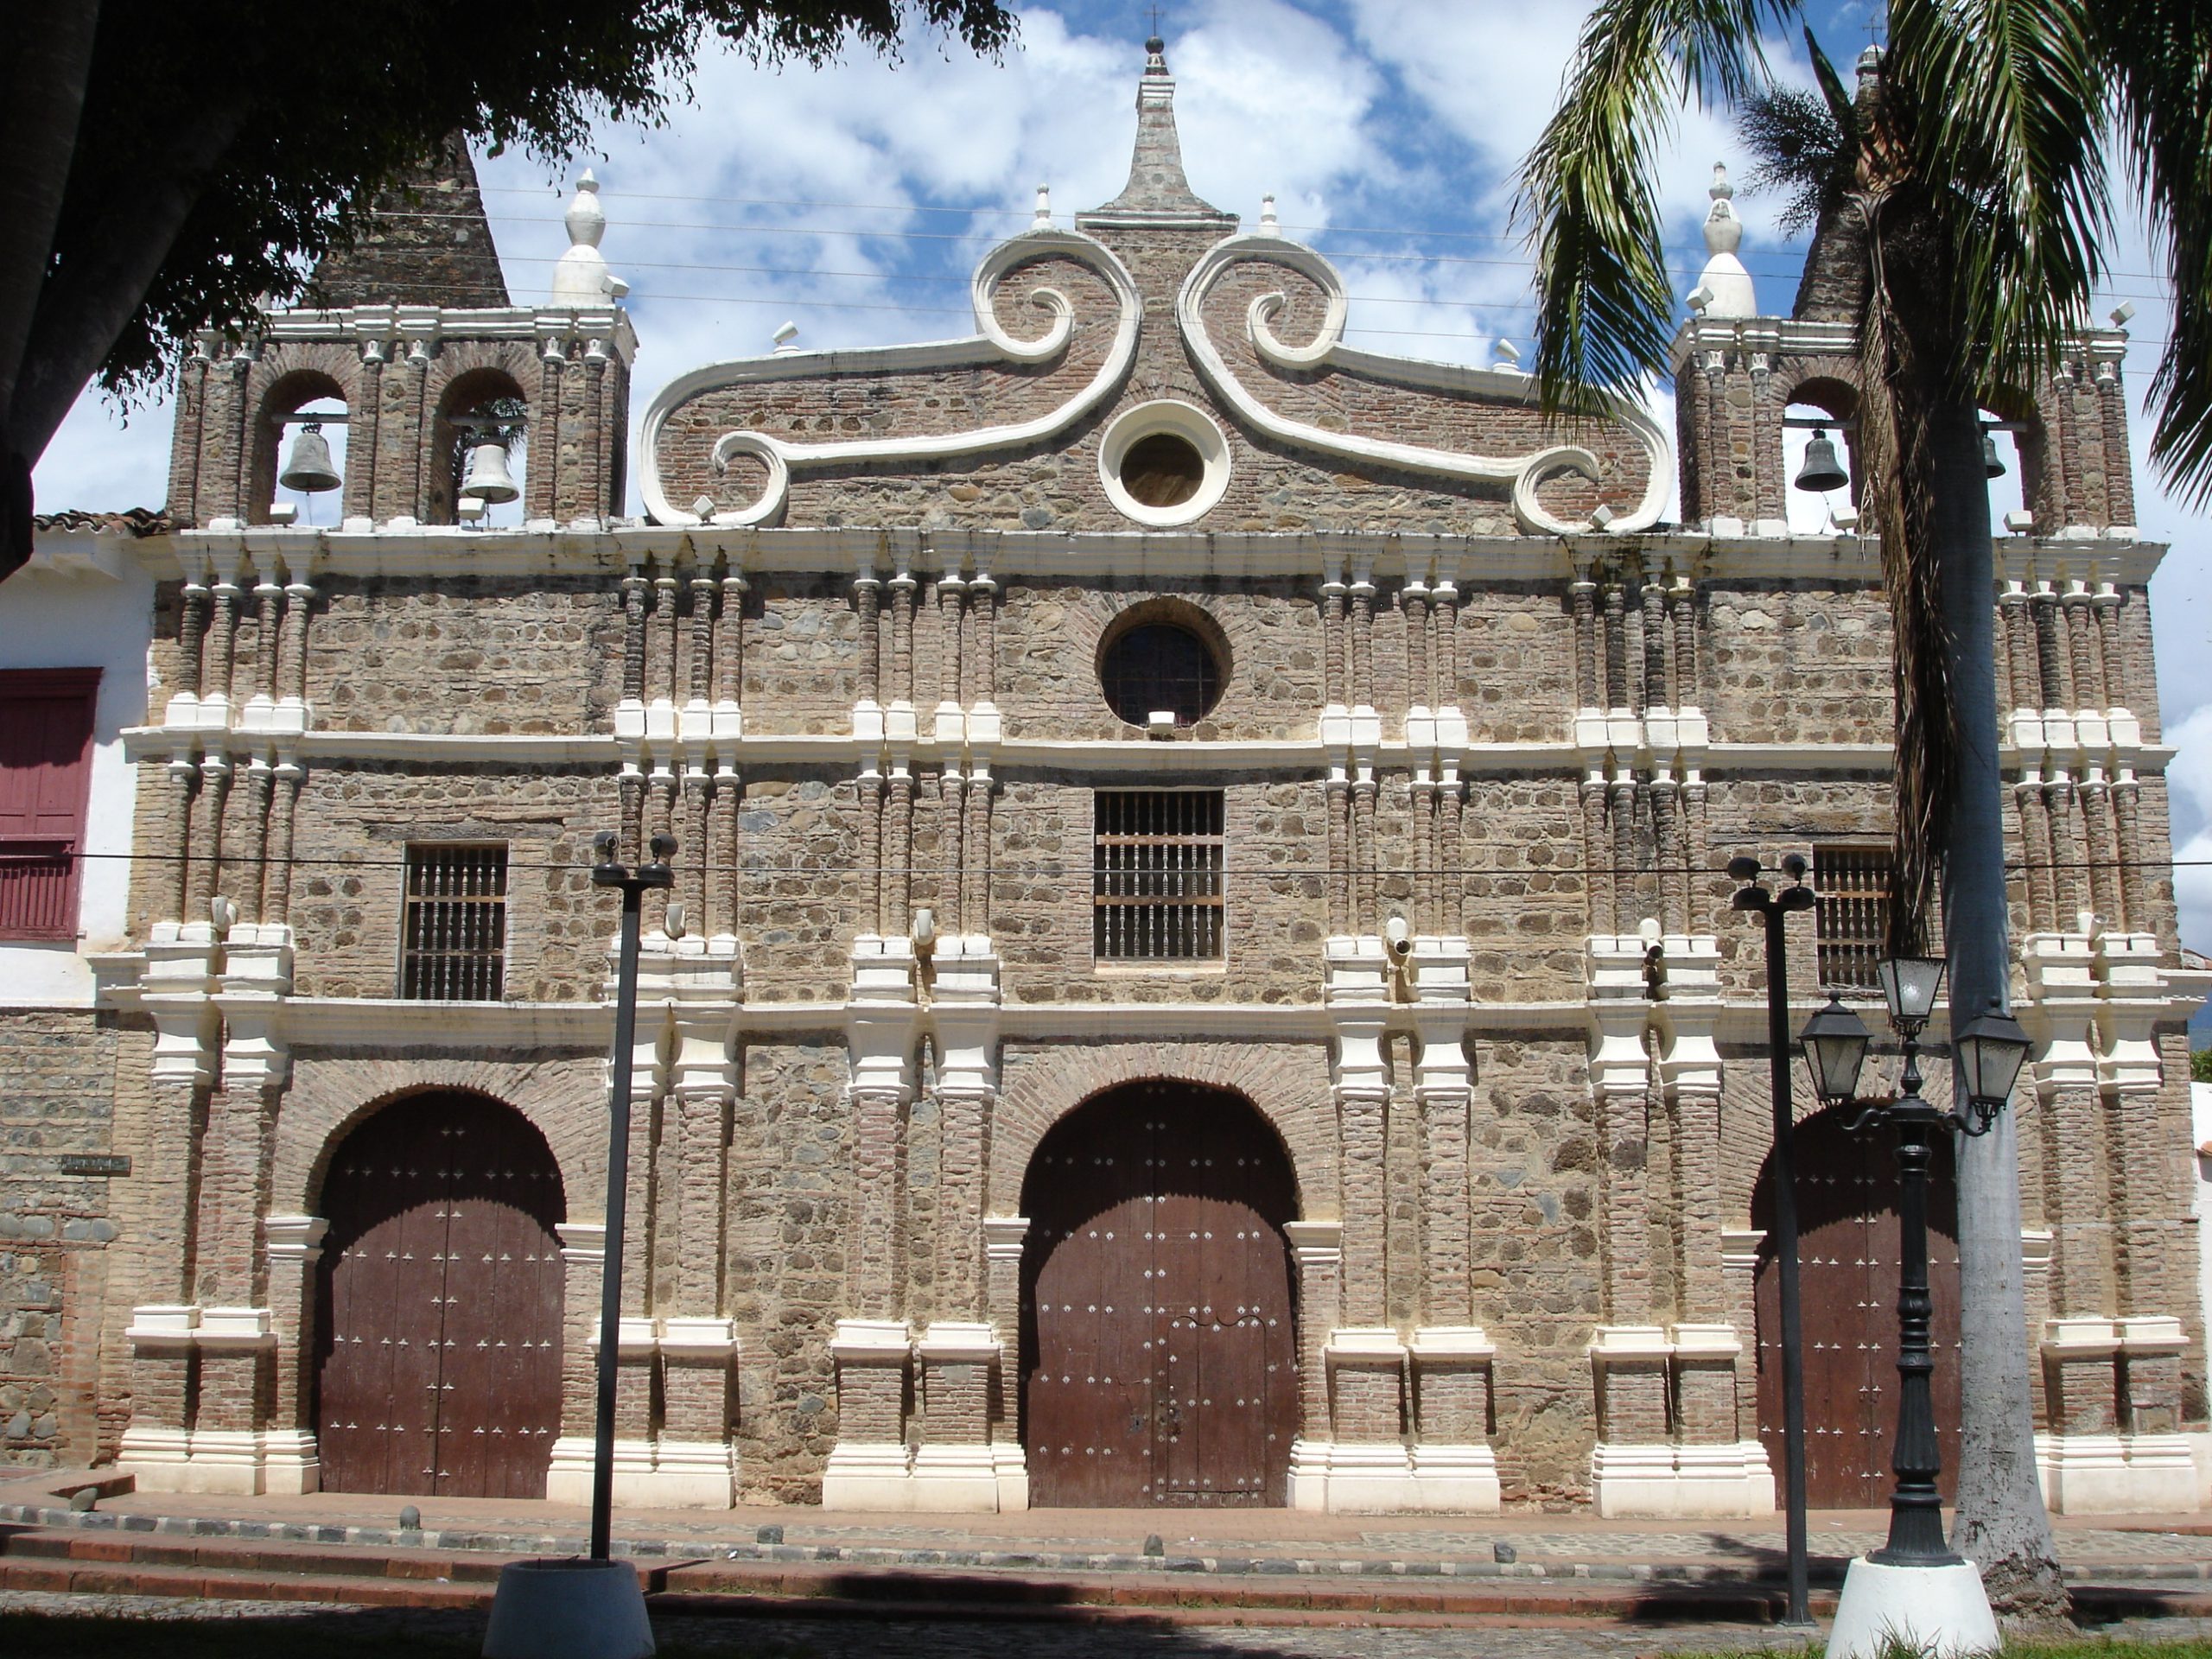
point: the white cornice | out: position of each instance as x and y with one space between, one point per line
436 552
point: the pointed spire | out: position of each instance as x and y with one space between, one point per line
1725 281
581 277
425 242
1158 195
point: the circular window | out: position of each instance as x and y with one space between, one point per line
1164 463
1164 470
1161 667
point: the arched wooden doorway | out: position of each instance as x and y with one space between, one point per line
1159 1351
1847 1251
439 1337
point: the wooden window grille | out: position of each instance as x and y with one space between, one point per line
455 927
1853 916
1155 883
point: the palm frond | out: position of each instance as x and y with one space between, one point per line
2160 57
2006 102
1800 151
1604 307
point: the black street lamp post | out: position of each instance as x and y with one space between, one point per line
634 885
1776 905
1988 1049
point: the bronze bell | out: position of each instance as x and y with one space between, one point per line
1821 472
488 478
311 470
1993 465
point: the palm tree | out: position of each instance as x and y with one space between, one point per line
1973 179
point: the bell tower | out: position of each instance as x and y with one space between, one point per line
450 394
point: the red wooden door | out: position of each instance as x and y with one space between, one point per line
1159 1351
1847 1277
439 1349
46 771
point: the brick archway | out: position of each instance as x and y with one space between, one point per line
1286 1083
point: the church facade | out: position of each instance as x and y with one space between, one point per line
1200 969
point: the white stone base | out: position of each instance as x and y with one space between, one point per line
291 1461
1682 1482
568 1477
1454 1480
863 1475
235 1463
1938 1612
955 1479
928 1479
2117 1474
690 1474
1340 1478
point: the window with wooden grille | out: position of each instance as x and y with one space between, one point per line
46 772
455 933
1155 882
1853 916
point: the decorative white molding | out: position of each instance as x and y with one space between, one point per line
1177 418
1327 350
543 548
991 345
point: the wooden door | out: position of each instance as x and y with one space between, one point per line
1847 1276
1158 1352
441 1279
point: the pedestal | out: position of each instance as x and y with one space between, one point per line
576 1609
870 1467
1938 1612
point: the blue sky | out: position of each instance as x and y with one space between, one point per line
855 200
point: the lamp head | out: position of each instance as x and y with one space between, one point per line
1835 1041
606 843
1909 986
1989 1050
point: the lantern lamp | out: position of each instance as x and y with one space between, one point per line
1835 1041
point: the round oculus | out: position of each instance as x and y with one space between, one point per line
1164 463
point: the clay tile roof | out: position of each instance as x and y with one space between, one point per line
134 521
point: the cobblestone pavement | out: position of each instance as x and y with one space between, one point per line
440 1632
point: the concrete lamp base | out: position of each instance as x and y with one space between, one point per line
1940 1613
574 1609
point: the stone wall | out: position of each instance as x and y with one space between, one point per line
355 823
54 1229
790 1226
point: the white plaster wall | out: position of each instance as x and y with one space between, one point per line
75 611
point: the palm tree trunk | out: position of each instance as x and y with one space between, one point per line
2001 1523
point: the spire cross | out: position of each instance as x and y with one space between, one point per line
1156 18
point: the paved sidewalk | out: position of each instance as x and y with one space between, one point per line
1526 1544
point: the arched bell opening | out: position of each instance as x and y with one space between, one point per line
296 472
439 1302
1819 456
1159 1348
479 450
2016 458
1847 1233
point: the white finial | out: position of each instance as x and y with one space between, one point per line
1043 221
581 277
1505 353
704 506
784 336
1270 224
1725 285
